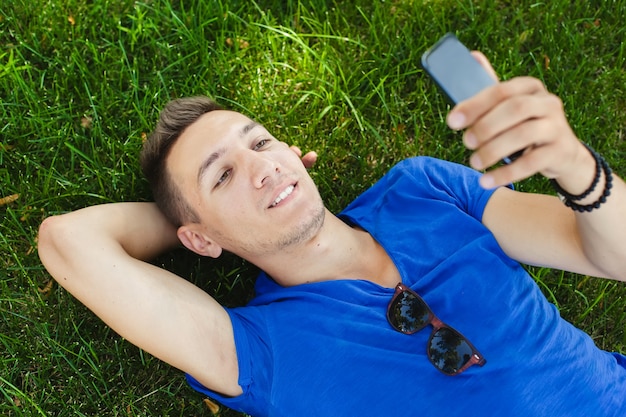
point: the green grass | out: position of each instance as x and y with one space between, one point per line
82 82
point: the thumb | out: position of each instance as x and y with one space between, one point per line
484 62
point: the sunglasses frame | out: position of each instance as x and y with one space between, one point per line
476 358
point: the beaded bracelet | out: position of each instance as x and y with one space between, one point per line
567 196
569 199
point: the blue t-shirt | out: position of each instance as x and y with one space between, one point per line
326 348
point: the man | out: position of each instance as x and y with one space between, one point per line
330 331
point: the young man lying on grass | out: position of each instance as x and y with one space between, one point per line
339 325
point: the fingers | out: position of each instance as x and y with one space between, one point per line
522 168
522 136
466 113
512 116
552 154
517 124
484 62
308 159
296 150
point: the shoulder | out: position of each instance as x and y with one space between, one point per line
444 180
413 181
430 167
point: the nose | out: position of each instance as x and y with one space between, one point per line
261 168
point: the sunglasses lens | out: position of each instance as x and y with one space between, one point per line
408 313
449 351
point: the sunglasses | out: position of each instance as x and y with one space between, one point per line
448 350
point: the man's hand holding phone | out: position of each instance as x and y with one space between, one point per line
515 114
516 121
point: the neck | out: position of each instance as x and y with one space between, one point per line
338 251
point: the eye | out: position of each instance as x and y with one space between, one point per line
223 177
260 144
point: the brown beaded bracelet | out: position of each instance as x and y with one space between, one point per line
569 199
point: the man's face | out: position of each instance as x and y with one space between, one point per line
252 193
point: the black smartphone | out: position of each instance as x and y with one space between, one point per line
454 70
456 73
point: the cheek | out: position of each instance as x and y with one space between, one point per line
288 158
229 213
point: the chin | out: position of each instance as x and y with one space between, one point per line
306 230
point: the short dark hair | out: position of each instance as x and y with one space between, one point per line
176 116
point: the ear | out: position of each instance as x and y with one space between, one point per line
197 241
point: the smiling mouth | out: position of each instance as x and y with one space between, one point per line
287 192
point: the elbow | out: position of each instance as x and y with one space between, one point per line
45 237
50 243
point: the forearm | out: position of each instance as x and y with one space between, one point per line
139 228
75 245
602 229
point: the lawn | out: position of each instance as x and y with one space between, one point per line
81 84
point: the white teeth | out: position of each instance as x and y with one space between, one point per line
283 195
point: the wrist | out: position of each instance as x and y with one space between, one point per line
579 179
572 189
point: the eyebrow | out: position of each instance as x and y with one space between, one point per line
247 128
208 162
217 154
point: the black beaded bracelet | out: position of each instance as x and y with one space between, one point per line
567 196
568 199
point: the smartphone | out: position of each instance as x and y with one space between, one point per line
456 73
454 70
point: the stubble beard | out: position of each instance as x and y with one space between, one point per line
260 246
304 231
279 242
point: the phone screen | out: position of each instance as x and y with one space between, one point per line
455 71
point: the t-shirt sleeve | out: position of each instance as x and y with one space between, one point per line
254 360
447 181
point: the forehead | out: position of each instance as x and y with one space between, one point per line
215 126
211 132
213 129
